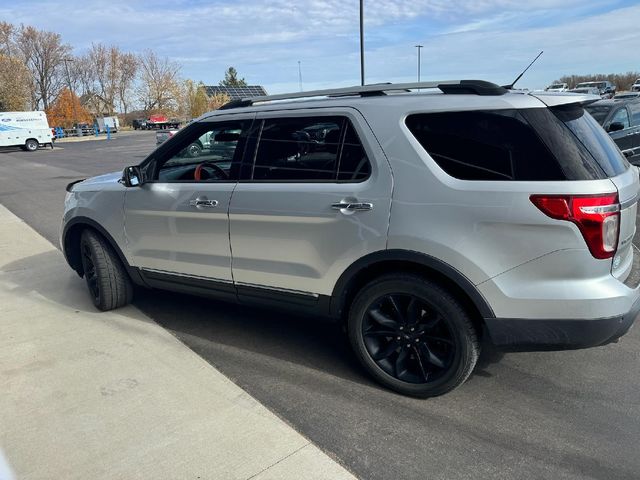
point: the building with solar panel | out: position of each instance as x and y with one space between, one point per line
237 93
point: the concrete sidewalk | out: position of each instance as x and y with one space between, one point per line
91 395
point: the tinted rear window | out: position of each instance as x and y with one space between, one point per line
591 135
530 145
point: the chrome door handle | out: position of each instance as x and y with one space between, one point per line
203 203
352 206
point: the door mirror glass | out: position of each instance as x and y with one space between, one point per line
132 176
615 127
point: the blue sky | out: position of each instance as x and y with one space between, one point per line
264 40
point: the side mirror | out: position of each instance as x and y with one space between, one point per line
132 177
615 127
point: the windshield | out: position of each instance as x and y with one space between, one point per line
556 85
593 137
599 112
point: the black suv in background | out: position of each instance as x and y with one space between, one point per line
621 118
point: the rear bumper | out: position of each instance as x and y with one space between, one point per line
548 334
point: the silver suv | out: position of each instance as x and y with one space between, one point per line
428 217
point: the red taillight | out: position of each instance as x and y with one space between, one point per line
597 217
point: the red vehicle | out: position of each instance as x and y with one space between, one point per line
161 122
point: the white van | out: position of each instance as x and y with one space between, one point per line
27 130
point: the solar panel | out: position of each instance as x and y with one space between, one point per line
237 93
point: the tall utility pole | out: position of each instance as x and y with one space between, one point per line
300 75
419 47
73 103
361 42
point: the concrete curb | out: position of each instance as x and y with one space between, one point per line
113 395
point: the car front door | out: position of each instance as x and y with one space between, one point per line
634 154
622 136
176 222
316 198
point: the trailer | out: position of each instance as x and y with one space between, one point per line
112 122
27 130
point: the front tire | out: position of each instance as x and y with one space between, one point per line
412 335
107 279
31 145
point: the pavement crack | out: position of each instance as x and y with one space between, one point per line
279 461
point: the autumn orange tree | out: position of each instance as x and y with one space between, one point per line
67 111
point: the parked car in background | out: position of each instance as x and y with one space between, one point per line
27 130
636 85
557 87
585 91
621 119
163 135
605 87
139 124
428 223
626 95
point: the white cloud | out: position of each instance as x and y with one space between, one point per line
491 39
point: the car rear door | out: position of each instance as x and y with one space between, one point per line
315 198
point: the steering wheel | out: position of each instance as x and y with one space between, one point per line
197 174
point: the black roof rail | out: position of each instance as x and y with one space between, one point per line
473 87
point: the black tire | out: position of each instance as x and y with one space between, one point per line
194 150
107 279
412 335
31 145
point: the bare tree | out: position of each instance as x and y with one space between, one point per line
44 54
158 88
127 71
15 82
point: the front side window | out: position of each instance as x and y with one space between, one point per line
621 116
207 152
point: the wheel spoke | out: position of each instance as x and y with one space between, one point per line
383 319
384 352
380 333
400 366
430 357
412 311
438 339
424 373
396 309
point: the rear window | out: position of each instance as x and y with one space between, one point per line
590 134
537 144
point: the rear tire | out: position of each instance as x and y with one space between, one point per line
412 335
31 145
107 279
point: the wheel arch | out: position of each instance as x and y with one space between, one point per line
71 245
377 263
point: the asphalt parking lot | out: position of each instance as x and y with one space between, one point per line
549 415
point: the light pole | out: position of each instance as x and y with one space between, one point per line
419 47
361 42
300 75
73 104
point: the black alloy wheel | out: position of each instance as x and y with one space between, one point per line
412 335
107 278
407 338
91 276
